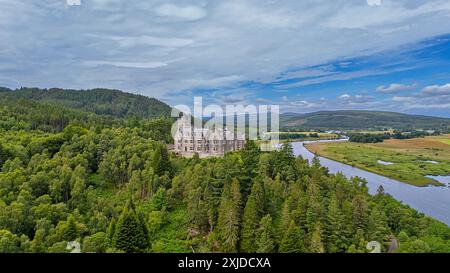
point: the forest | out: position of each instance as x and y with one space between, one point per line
99 101
110 183
361 120
380 137
368 138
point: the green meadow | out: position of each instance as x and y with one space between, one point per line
410 160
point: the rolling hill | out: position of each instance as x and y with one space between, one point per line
120 104
358 119
98 101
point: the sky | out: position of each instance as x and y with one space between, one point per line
309 55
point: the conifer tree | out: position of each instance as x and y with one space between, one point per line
196 209
212 195
335 229
287 152
71 229
228 226
111 229
161 163
301 210
150 181
377 228
265 242
293 241
250 158
360 213
130 235
285 218
314 212
359 243
315 242
253 212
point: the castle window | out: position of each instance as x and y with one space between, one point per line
199 148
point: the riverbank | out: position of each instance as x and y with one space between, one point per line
433 201
410 161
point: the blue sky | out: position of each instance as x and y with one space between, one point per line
303 55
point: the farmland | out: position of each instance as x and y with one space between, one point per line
409 161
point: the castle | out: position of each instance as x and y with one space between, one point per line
189 140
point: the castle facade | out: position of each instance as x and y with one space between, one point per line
189 140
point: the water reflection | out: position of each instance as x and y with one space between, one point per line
433 201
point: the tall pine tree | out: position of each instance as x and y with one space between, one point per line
228 226
160 161
265 241
71 229
131 234
250 157
314 212
336 228
293 240
377 228
315 242
253 212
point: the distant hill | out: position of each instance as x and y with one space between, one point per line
27 114
355 119
99 101
4 89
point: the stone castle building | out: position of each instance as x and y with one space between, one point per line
189 140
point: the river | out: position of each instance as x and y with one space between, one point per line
432 201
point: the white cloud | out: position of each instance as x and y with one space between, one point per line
73 2
374 2
395 87
355 99
182 12
202 43
429 91
436 90
213 82
151 41
145 65
403 99
246 13
430 97
392 13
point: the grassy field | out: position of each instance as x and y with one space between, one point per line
411 158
